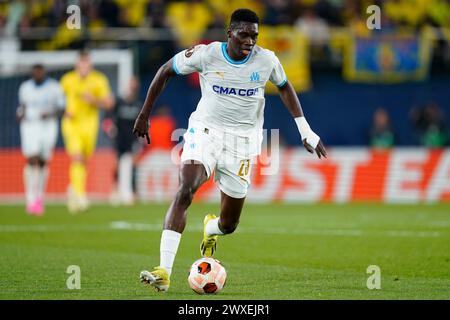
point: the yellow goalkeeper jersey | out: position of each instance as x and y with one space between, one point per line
74 87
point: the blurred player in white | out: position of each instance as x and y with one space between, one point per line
41 102
225 131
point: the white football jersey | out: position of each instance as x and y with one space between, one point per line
39 99
232 91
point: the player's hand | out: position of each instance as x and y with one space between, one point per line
141 127
320 149
67 115
89 98
20 114
109 127
47 115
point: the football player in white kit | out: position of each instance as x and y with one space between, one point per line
41 101
224 133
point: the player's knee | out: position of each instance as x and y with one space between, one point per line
185 194
42 162
77 158
33 161
228 227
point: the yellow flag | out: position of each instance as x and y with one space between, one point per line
291 47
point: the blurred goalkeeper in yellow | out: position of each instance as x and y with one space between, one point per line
87 91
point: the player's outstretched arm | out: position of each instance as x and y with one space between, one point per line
20 113
311 141
160 80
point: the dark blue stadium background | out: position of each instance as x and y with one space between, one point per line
339 111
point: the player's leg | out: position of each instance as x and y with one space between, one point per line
78 176
31 180
77 170
226 223
134 176
48 137
114 196
199 157
230 212
125 168
88 141
30 150
41 182
197 165
192 176
233 178
41 175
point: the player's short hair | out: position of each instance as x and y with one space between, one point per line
36 66
83 53
243 15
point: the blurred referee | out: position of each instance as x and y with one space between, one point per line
119 127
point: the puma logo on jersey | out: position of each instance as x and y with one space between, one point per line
220 74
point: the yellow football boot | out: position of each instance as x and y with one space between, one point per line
158 278
209 243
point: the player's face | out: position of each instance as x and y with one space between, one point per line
84 66
38 75
242 39
133 86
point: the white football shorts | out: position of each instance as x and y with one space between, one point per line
220 152
38 138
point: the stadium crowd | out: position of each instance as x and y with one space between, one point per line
192 18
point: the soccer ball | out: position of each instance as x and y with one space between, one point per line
207 276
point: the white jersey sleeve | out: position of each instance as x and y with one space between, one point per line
278 76
189 60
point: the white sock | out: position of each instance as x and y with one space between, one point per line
42 181
212 227
30 177
168 249
125 177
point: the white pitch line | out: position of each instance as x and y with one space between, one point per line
123 225
440 224
419 234
134 226
50 228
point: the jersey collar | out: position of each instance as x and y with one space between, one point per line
39 85
228 58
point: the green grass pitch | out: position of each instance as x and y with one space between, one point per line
279 251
